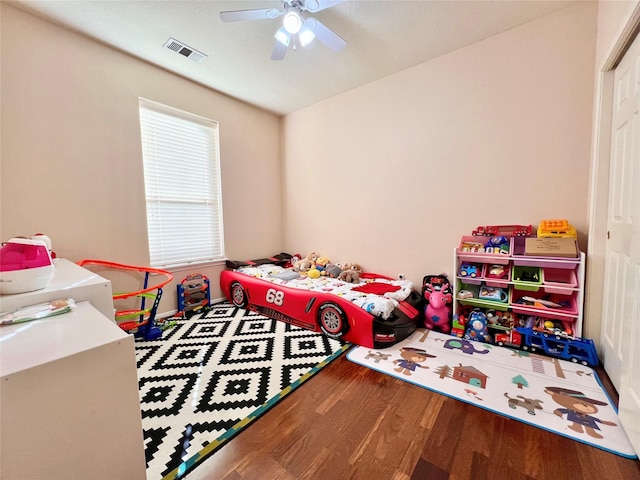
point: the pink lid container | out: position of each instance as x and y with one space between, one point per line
24 253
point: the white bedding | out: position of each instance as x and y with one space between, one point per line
378 305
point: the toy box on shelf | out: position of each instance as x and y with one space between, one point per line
556 228
194 295
532 302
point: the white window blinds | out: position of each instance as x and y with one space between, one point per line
182 185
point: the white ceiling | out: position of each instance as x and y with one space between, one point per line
384 37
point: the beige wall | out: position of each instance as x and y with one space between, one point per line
388 175
71 154
391 174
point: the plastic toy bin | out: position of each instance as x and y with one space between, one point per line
471 249
526 278
559 280
467 269
519 257
474 299
495 281
527 302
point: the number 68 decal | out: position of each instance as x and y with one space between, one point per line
275 296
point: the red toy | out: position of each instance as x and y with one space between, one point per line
504 230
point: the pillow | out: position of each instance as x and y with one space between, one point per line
286 275
280 259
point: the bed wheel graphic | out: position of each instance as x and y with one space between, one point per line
238 295
332 320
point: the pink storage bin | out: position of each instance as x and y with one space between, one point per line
467 253
494 281
520 305
520 259
560 281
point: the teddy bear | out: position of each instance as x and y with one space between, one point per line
350 273
306 263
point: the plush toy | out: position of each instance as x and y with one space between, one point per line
306 263
321 263
332 270
477 327
352 266
350 273
313 273
294 258
349 276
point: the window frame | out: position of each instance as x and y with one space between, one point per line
164 207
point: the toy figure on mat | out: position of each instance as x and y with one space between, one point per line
411 359
578 408
477 328
436 290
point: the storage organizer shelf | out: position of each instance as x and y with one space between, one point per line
530 283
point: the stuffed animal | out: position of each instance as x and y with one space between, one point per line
306 263
477 327
321 263
349 276
332 270
313 272
350 273
352 266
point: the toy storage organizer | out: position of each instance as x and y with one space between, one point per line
547 287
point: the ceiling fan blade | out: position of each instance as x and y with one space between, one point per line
317 5
255 14
325 35
279 51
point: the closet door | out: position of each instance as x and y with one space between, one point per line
621 305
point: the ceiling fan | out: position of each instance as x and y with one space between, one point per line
297 26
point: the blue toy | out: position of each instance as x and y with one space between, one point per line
477 327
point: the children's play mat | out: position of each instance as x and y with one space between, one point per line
545 392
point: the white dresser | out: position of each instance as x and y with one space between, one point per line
69 404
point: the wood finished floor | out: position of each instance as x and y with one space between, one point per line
350 422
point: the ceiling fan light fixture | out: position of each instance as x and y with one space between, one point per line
283 36
292 22
306 36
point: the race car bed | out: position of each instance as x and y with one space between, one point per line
376 312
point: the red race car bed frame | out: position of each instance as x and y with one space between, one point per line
325 312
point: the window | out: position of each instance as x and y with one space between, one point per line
182 186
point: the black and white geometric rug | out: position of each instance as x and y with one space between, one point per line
210 376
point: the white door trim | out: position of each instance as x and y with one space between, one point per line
599 184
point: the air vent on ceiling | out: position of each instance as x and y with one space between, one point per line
185 50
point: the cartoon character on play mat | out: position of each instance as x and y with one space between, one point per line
578 409
411 359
